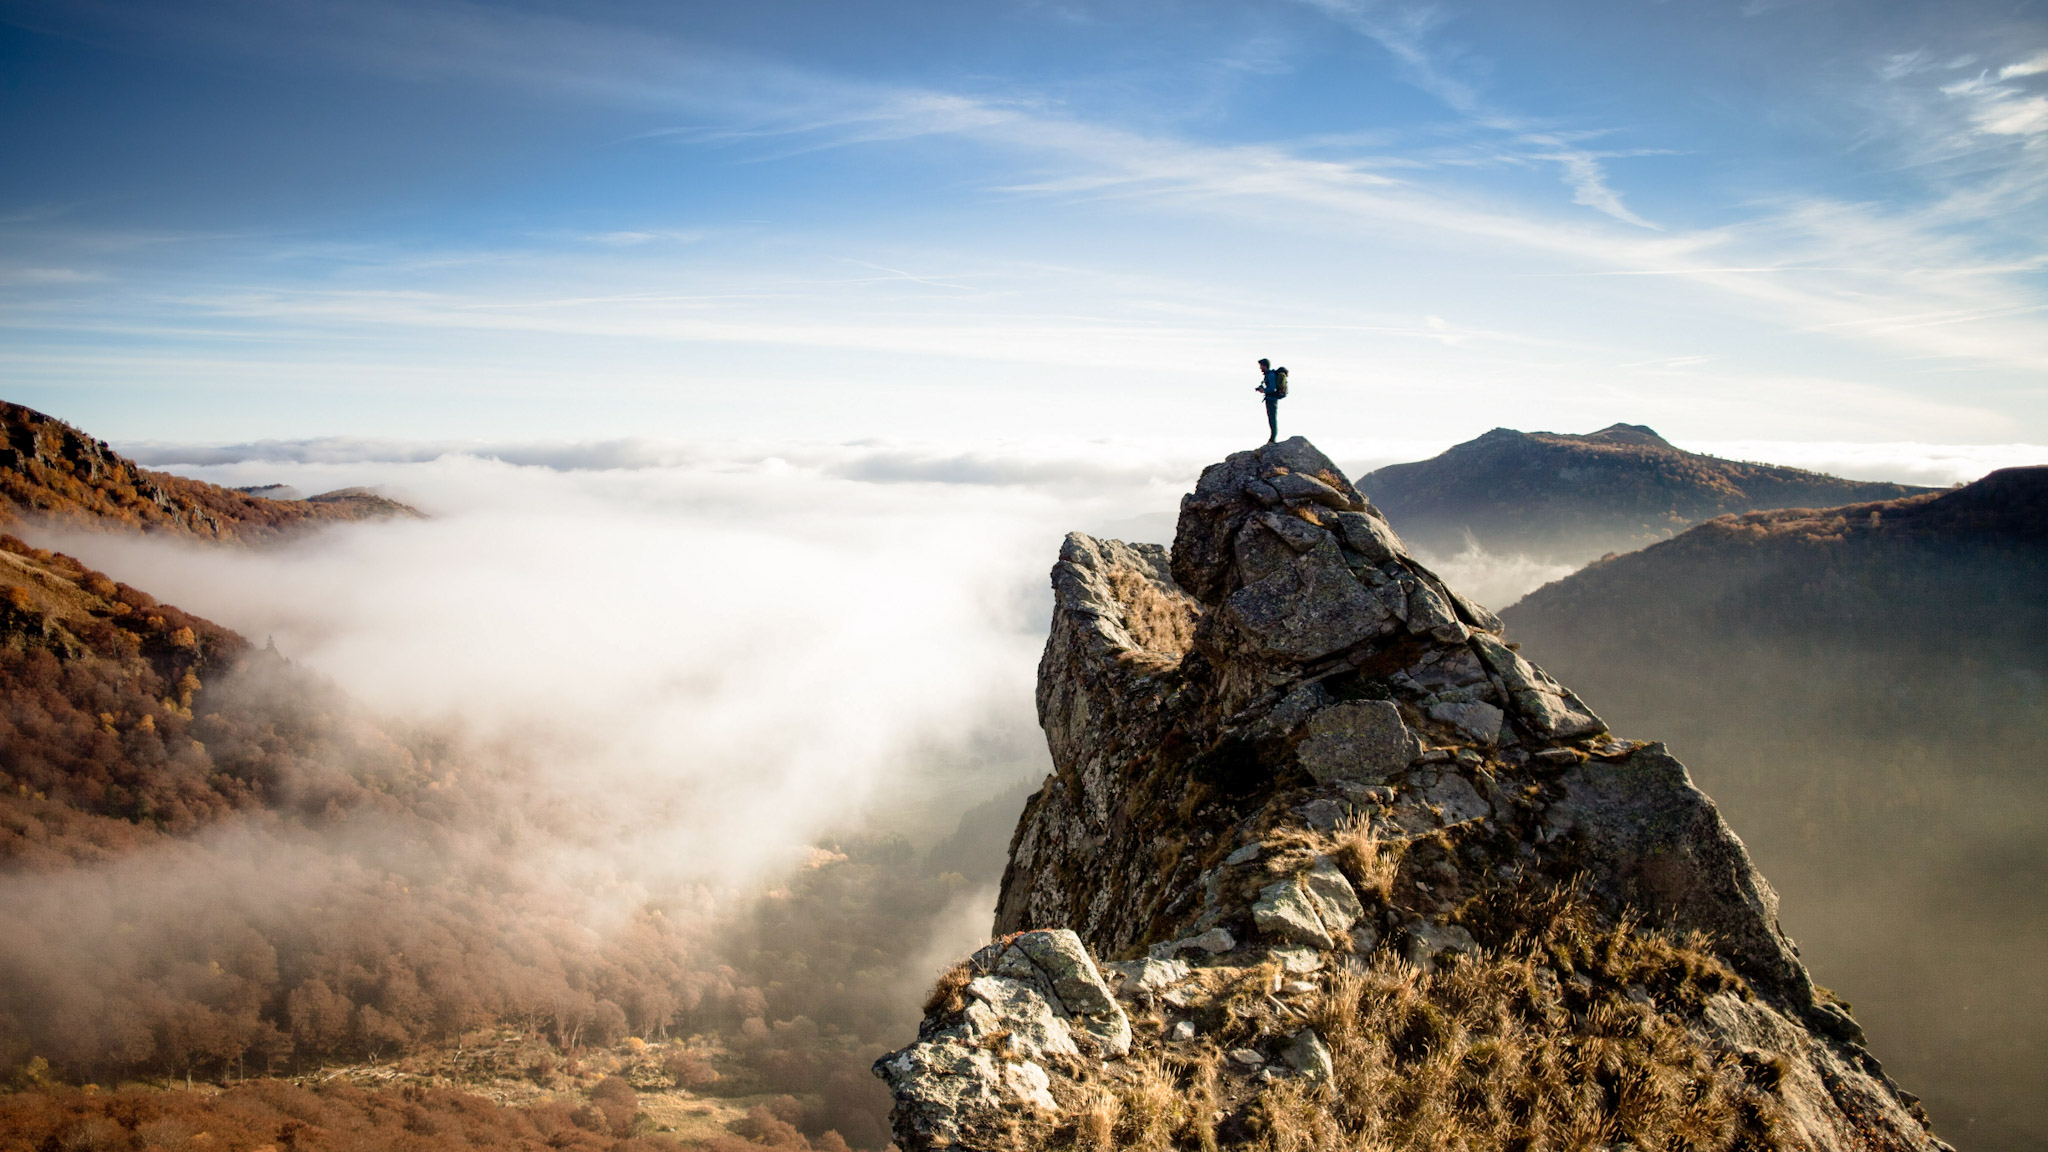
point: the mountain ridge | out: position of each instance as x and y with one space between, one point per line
1572 497
52 473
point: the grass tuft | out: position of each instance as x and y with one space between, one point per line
949 995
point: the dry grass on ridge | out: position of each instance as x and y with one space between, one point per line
1568 1040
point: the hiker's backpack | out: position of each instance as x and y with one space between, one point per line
1279 382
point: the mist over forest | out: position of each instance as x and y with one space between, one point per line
722 756
720 752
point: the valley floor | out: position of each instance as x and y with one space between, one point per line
500 1088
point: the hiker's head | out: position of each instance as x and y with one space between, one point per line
1264 363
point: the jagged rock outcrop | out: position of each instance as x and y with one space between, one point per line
1023 1002
50 472
1361 873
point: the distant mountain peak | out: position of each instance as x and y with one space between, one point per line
1638 434
1570 497
1861 688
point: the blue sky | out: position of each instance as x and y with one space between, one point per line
1746 220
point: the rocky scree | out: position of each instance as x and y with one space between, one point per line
1358 872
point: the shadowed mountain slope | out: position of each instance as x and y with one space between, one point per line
1326 863
52 473
1570 498
1865 690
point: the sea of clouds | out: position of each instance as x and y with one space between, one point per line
713 654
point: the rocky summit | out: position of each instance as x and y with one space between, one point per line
1326 863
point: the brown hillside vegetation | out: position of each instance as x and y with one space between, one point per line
635 1106
51 472
1865 690
97 683
212 865
1574 497
123 719
271 1114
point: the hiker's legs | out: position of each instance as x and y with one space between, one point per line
1272 419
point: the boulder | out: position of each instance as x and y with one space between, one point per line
1477 722
1308 608
1370 537
1430 612
1324 815
1454 799
947 1088
1294 486
1213 941
1364 741
1425 941
1231 491
1307 1054
1058 966
1285 911
1315 908
1148 975
1298 961
1021 1013
1549 708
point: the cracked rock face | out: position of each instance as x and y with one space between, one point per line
1288 756
1032 999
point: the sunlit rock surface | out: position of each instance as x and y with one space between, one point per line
1308 799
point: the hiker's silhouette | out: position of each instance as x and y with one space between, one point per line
1273 385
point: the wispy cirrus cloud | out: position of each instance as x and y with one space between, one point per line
1404 31
1999 107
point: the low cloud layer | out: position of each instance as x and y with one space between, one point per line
1902 462
707 662
712 653
1494 579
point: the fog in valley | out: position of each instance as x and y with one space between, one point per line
638 739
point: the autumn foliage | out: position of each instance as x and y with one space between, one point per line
51 472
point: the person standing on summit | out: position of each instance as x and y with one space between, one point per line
1273 385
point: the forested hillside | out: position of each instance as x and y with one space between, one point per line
53 473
